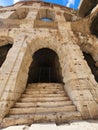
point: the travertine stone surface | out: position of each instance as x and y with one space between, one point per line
67 37
84 125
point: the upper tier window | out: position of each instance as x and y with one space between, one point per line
46 19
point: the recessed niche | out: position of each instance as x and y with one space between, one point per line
19 14
68 17
45 19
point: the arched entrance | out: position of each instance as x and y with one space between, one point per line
94 26
44 98
91 64
45 67
3 52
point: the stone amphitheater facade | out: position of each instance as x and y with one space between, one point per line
67 43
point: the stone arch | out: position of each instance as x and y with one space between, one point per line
19 85
45 67
46 42
49 43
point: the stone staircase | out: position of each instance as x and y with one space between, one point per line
42 103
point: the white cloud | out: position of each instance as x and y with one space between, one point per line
15 1
70 2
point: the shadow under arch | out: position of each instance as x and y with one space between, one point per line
91 64
94 26
6 44
45 67
3 52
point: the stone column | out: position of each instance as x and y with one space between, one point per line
79 81
14 74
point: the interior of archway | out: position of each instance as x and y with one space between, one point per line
3 52
94 27
45 67
91 64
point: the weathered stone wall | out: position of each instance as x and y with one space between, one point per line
65 39
86 7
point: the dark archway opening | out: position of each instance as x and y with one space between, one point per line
3 52
94 27
91 64
45 67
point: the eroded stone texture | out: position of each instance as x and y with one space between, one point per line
66 34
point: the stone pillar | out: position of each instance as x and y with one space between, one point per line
14 74
79 81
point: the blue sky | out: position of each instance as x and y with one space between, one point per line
69 3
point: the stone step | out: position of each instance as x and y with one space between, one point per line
44 95
40 118
42 104
44 92
36 110
49 85
43 99
44 89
